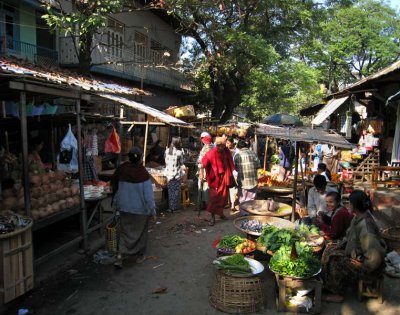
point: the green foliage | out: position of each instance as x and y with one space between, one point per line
82 21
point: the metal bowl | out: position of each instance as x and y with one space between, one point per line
257 207
278 222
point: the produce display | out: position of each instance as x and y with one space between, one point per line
295 261
252 225
271 180
231 244
272 238
235 264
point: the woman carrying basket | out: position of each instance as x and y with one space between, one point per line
135 200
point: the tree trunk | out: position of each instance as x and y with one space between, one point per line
85 53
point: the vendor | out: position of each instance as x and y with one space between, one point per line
361 253
317 197
322 170
156 154
36 145
335 225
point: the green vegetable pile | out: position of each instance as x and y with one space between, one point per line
235 264
273 237
230 241
308 229
300 264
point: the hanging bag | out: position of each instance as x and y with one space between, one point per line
68 157
112 144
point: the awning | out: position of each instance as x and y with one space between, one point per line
168 119
304 134
328 109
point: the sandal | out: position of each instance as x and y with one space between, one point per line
211 221
223 217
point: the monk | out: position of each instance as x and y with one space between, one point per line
218 165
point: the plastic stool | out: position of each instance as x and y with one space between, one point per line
371 287
185 197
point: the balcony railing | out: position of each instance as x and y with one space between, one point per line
36 54
126 62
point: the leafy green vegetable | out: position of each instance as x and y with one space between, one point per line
305 265
308 229
273 238
235 264
230 241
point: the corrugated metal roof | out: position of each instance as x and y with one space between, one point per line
148 110
304 134
65 77
328 109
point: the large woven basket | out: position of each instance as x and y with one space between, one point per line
160 180
237 295
392 237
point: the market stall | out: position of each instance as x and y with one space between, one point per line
301 134
44 103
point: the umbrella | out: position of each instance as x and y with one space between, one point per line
282 119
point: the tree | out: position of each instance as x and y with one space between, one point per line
245 50
354 41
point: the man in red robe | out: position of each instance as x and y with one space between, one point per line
218 164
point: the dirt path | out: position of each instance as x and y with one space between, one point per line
180 263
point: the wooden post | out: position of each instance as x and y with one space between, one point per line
121 134
53 146
25 166
145 142
295 180
265 154
84 226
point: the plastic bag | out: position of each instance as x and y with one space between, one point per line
68 157
112 144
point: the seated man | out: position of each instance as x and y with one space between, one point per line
335 225
316 197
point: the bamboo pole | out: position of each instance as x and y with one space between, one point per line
145 142
295 180
265 153
25 165
84 227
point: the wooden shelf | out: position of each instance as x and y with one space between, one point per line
55 218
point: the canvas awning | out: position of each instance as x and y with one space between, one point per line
304 134
168 119
328 109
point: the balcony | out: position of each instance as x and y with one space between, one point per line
36 54
127 64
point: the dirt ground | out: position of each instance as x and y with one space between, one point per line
180 265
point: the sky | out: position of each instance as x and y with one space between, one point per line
395 3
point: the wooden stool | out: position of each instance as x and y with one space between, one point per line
185 197
371 287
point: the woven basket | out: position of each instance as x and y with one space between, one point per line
392 237
112 235
159 180
237 295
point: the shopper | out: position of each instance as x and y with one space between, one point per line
174 160
135 200
246 165
203 190
218 165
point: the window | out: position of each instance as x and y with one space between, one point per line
159 54
115 35
140 46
